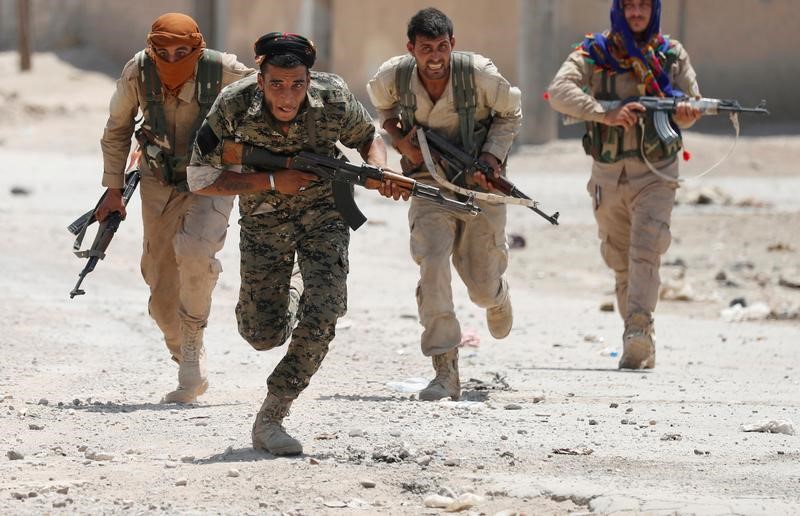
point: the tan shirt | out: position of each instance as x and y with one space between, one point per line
568 90
180 112
495 97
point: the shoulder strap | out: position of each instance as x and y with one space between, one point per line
408 101
464 97
150 86
209 78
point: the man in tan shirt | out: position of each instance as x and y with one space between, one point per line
418 89
632 204
173 82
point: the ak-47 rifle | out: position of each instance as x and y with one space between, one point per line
662 107
460 162
106 229
343 174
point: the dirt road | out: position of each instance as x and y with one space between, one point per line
547 426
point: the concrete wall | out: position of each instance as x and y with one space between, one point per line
740 48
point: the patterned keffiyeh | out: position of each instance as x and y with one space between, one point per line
617 50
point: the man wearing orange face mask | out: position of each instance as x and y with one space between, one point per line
173 82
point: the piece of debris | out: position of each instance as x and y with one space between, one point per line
608 306
437 501
326 437
676 290
20 190
779 247
408 385
233 472
592 338
573 451
14 455
469 339
701 452
464 501
516 241
773 426
738 301
783 282
754 312
369 484
671 437
181 482
512 406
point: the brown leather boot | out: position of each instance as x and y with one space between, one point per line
192 374
268 432
500 318
446 383
638 341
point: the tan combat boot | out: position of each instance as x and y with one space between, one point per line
268 432
446 382
500 318
638 341
192 374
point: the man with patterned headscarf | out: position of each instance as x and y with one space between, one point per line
173 82
632 205
285 109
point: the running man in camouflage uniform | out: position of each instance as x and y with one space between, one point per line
173 82
632 205
286 109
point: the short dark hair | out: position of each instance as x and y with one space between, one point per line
431 23
282 61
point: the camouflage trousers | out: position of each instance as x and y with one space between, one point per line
182 234
633 208
315 231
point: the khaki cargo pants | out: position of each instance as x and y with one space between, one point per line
478 249
182 234
633 207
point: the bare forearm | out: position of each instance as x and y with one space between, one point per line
374 152
235 183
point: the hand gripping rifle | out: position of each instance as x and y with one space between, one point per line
343 174
660 109
106 229
432 144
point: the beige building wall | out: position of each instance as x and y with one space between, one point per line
740 48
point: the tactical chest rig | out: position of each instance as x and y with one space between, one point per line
472 134
604 143
157 150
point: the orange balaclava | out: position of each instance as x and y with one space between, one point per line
172 29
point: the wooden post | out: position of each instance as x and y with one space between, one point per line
24 34
537 54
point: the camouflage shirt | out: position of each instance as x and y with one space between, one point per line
331 113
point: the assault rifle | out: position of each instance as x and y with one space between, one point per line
462 162
343 175
106 229
662 107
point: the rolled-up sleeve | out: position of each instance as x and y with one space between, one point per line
505 101
568 90
383 92
116 140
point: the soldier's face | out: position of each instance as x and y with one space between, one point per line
432 56
284 90
172 53
637 14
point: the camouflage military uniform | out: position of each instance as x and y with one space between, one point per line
275 226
